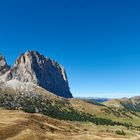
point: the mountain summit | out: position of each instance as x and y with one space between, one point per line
3 65
33 67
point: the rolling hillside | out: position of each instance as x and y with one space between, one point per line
17 125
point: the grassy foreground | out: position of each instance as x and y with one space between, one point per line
17 125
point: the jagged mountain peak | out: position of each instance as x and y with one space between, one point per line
4 67
28 56
33 67
35 58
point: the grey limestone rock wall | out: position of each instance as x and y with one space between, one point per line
35 68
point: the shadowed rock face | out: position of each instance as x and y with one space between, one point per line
3 65
35 68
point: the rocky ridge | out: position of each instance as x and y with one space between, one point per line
3 65
32 67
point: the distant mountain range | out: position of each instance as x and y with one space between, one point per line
91 99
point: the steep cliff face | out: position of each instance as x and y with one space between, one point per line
3 65
34 68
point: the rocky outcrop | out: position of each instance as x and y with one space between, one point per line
34 68
3 65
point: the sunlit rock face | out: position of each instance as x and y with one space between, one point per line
34 68
3 65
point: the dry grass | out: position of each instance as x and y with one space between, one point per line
17 125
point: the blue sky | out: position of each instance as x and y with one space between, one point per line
97 41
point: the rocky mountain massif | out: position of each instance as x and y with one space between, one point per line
33 67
